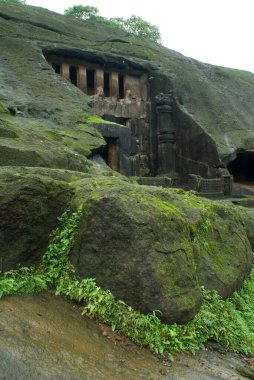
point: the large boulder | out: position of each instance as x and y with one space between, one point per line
248 220
150 246
39 143
30 203
153 248
222 250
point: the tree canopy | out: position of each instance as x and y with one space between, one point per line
134 24
13 1
80 11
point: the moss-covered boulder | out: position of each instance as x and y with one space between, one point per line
248 220
29 142
150 246
154 247
222 250
30 203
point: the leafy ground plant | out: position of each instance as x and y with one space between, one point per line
229 322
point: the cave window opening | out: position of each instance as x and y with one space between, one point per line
114 119
121 86
56 68
242 168
73 75
111 153
90 81
121 120
106 85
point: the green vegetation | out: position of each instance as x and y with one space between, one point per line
229 322
98 120
13 1
81 11
133 25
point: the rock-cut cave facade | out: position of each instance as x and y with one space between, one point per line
147 135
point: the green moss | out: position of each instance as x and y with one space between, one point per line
53 135
99 120
3 108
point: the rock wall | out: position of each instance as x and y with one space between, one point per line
212 107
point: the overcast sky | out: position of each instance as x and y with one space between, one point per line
219 32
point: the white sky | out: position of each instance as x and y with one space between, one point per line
219 32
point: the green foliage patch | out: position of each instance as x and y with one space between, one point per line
13 1
230 322
134 25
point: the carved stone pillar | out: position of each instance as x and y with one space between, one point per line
65 70
114 85
99 79
82 79
166 136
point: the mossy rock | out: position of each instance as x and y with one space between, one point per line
222 250
218 101
30 204
36 143
248 220
147 245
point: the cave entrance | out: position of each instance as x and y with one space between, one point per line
90 78
121 86
119 120
106 85
242 168
73 75
111 153
57 68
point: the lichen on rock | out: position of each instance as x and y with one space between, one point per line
149 246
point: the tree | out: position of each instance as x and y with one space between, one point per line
134 25
13 1
80 11
141 28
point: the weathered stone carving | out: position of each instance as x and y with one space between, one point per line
160 144
166 135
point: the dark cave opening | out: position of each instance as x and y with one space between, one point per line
74 75
114 119
242 168
90 82
111 153
107 84
121 86
57 68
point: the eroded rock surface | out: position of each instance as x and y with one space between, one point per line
30 204
45 337
153 248
213 106
150 246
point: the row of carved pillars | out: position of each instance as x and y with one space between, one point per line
98 79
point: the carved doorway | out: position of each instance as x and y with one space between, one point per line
111 153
